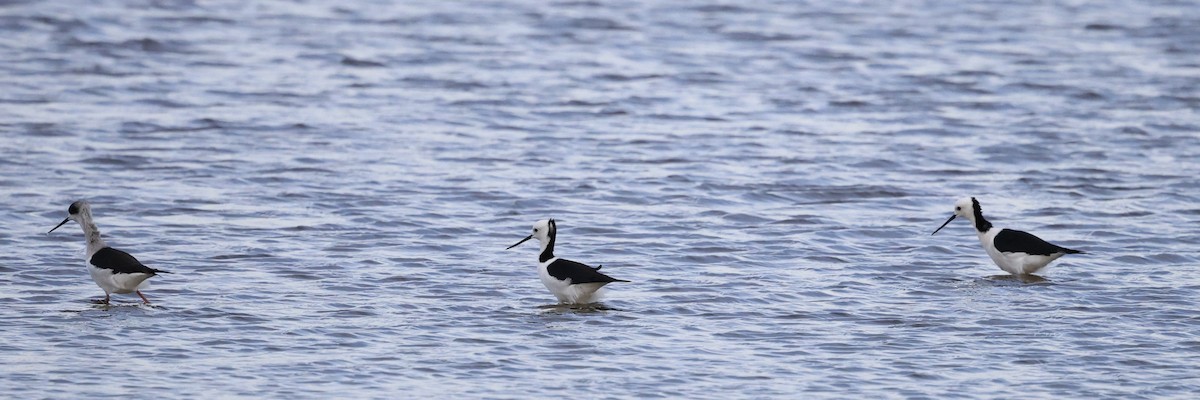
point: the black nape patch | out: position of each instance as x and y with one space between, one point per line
74 209
981 224
551 233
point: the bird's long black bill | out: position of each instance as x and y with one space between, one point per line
522 241
60 224
944 225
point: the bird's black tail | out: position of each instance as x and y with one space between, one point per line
1072 251
159 271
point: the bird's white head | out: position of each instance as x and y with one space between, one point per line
966 207
543 231
79 211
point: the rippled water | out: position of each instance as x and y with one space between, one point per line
333 186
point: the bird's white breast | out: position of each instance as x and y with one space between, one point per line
555 286
1002 260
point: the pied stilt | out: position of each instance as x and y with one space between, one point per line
1016 252
571 282
114 270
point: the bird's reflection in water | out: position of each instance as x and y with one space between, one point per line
1026 279
589 308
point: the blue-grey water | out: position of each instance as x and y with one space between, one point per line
333 185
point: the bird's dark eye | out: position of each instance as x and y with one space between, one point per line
958 208
535 230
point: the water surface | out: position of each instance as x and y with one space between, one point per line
333 186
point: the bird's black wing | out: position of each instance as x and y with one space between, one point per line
1013 241
120 262
578 272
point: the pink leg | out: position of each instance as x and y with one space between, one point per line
139 292
105 301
